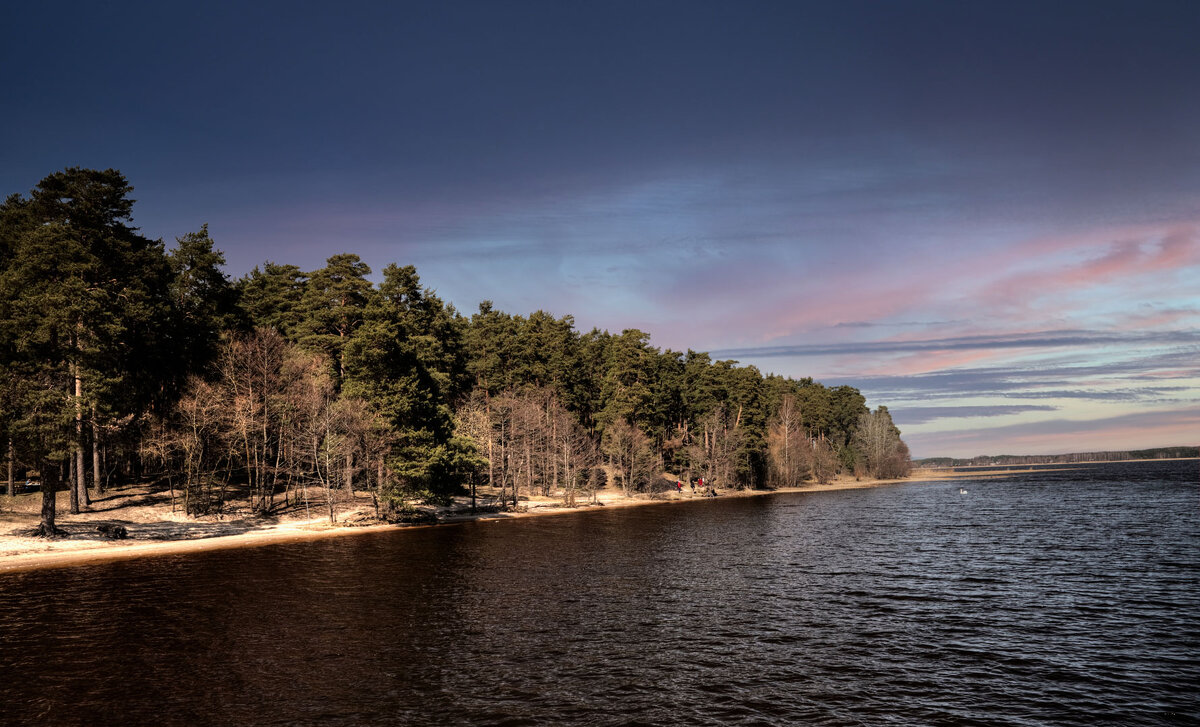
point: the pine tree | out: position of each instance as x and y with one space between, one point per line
333 304
203 297
406 360
85 298
273 298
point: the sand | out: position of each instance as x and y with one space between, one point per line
154 529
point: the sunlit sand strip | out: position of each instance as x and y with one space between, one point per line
19 553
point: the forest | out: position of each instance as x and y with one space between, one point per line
124 360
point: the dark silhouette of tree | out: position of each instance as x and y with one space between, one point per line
272 298
334 301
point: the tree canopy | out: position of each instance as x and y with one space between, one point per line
110 342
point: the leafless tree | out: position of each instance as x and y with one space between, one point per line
822 459
878 441
194 444
629 452
365 442
714 448
474 422
787 446
252 378
529 441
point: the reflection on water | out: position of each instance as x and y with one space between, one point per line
1050 598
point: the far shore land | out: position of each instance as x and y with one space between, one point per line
153 529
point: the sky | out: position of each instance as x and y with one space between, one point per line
984 215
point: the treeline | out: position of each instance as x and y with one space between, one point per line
1073 457
124 360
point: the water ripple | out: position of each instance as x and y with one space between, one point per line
1054 598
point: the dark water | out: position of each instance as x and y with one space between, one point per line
1055 598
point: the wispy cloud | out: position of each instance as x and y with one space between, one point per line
909 415
1038 339
1124 257
1133 376
1124 432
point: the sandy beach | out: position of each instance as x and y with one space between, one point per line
153 529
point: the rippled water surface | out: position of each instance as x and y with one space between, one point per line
1046 598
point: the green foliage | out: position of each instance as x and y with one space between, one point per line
205 302
626 388
85 299
332 307
406 361
271 298
82 289
82 293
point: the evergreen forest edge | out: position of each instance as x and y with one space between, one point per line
123 361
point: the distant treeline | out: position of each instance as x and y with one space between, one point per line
122 360
1012 459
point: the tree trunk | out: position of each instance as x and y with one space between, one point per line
81 498
528 468
97 481
379 486
491 463
47 528
71 488
275 478
11 484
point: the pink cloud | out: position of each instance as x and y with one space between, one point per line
1143 430
925 362
1125 258
997 284
1158 319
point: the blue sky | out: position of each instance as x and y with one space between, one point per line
985 215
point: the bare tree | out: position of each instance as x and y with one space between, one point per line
575 452
474 422
822 459
528 440
628 450
714 448
316 446
251 373
194 443
272 417
787 447
878 441
365 441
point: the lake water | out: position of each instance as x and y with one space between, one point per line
1064 598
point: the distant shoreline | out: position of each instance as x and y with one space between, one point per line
1060 464
1065 464
23 553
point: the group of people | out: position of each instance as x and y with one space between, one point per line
698 481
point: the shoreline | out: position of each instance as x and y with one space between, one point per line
20 553
1059 464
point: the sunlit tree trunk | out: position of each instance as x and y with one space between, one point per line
97 479
77 454
11 483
